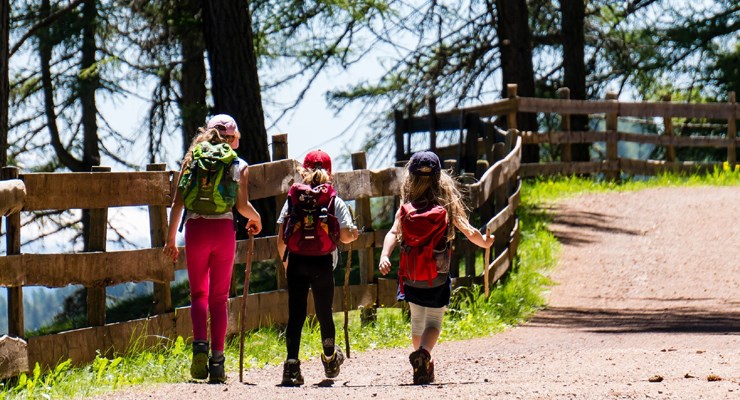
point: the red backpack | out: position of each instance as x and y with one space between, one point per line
311 229
424 250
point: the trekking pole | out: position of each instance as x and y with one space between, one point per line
486 261
346 298
243 313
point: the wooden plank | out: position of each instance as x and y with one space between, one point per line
499 107
279 152
732 134
351 185
90 190
13 357
443 122
272 178
499 266
94 269
629 109
387 291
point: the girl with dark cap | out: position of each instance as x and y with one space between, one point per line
427 194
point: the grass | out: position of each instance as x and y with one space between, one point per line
470 314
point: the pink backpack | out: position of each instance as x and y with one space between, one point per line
311 228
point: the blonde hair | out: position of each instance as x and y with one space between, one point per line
212 135
314 177
439 189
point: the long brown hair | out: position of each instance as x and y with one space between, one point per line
438 189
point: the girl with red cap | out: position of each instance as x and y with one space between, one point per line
431 208
210 241
311 222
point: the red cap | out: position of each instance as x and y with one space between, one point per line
317 159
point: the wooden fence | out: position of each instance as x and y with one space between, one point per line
496 195
477 131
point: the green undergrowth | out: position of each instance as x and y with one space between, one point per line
471 314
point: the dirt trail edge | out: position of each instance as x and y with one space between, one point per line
646 306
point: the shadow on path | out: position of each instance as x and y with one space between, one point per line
678 320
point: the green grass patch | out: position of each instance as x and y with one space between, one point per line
470 314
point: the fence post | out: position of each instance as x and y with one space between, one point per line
96 242
158 235
566 156
731 134
280 152
365 256
16 324
399 128
612 136
670 151
511 90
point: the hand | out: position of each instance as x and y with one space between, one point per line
254 226
488 240
385 265
170 250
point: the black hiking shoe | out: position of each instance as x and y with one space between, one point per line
331 364
199 365
292 373
421 362
216 369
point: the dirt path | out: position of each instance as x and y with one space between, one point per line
648 284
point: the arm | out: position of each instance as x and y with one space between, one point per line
389 244
243 205
170 246
473 234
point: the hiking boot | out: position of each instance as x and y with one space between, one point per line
292 373
216 369
331 364
423 367
199 365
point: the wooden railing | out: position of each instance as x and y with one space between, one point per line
478 132
496 196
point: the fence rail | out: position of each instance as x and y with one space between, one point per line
496 196
476 138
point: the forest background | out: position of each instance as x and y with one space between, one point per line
124 83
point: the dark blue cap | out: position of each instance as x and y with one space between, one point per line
424 163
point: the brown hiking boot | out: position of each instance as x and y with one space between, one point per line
292 373
421 362
331 364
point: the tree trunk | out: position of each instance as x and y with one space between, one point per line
4 85
193 107
235 84
574 66
516 62
89 83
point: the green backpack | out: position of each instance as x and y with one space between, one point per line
206 185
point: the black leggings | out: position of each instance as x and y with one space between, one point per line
315 272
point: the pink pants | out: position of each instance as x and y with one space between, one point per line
209 249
